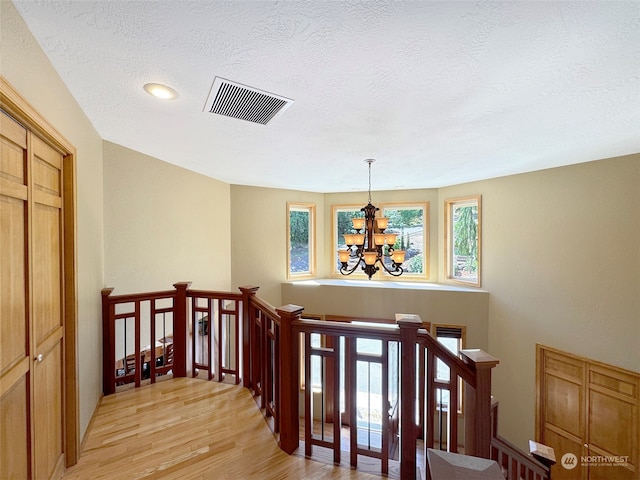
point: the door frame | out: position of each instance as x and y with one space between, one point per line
22 111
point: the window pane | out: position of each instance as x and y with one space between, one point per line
300 253
409 224
452 344
463 239
343 224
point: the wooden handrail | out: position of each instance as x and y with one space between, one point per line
268 340
132 297
214 295
511 459
449 359
346 329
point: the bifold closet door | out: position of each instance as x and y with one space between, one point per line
31 321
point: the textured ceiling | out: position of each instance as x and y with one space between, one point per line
439 93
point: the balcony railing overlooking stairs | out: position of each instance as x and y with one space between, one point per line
242 336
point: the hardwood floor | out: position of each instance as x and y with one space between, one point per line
189 429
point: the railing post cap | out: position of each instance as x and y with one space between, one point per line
479 358
184 285
249 289
408 320
106 291
290 309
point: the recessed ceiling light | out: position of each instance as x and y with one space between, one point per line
161 91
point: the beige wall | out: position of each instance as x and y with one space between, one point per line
163 224
28 70
259 233
455 306
561 263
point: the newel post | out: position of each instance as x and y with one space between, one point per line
248 293
409 325
477 425
108 345
289 361
180 329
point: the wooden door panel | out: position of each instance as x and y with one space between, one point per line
13 281
47 168
612 425
47 306
563 445
14 341
13 238
47 413
13 143
564 399
47 309
14 428
613 421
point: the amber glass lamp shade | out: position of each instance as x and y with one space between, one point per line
370 257
398 256
358 223
344 255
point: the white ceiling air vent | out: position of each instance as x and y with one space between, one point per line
246 103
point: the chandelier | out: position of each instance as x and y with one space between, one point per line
371 246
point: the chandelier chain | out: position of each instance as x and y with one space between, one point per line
369 162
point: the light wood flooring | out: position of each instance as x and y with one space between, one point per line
189 429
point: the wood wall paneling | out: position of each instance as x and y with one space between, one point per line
591 410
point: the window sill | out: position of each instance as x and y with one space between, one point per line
385 284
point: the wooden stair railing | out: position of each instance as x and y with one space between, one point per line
215 324
268 341
513 461
142 309
182 312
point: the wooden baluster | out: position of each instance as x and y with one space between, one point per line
421 390
409 325
265 362
289 374
453 412
308 400
152 343
277 379
138 361
194 334
109 345
430 400
351 387
385 402
334 341
478 404
180 329
247 325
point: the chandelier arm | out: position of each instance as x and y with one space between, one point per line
398 270
346 271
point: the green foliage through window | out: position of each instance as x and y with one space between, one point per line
463 239
300 220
